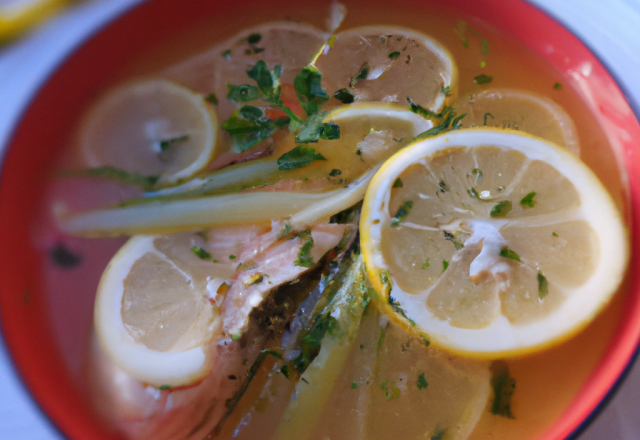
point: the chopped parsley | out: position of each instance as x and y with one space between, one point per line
385 278
226 53
484 118
403 211
212 98
484 46
478 174
249 126
168 143
508 253
422 382
555 234
557 86
381 339
473 193
232 257
460 31
398 183
383 40
394 55
201 253
390 390
64 257
354 385
395 305
438 434
335 172
443 186
304 255
445 264
110 172
452 238
503 388
425 265
242 93
309 90
313 128
285 230
528 200
501 209
362 74
543 285
344 96
446 90
482 79
164 387
299 157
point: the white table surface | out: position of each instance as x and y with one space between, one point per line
610 28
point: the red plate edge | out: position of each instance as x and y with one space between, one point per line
52 386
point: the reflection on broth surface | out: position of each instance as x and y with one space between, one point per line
247 310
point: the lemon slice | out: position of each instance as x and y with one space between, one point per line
520 110
494 243
389 64
152 127
18 15
292 45
157 308
387 375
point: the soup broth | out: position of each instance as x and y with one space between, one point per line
546 382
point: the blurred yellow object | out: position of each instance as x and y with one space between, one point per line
16 16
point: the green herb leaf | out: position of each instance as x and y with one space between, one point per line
201 253
344 96
392 392
115 174
473 193
299 157
442 186
555 234
543 285
354 385
425 265
362 74
503 388
304 255
438 434
445 264
212 98
460 32
398 183
249 126
484 46
267 81
232 257
508 253
242 93
446 90
168 143
501 209
395 305
557 86
335 172
164 387
311 95
422 382
254 38
528 200
313 129
482 79
394 55
403 211
285 230
226 53
484 118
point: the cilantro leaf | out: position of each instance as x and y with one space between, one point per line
212 98
311 95
508 253
249 126
267 81
304 256
528 200
503 388
422 382
557 86
362 74
242 93
445 264
313 129
115 174
344 96
299 157
484 118
201 253
394 55
168 143
398 183
395 305
501 209
543 285
426 265
403 211
482 79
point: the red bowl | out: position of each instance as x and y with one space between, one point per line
27 314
